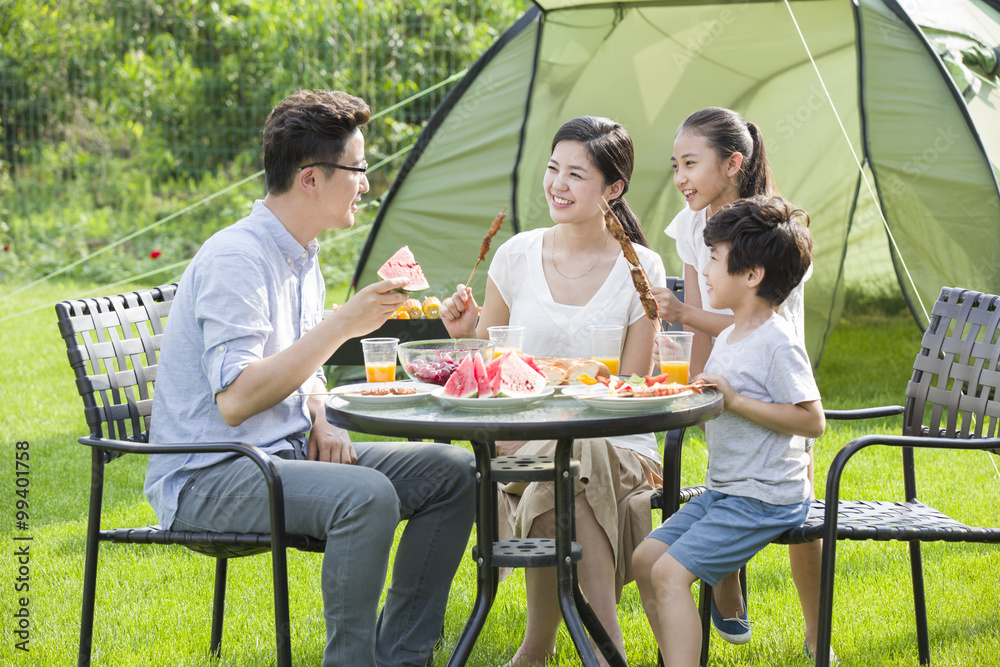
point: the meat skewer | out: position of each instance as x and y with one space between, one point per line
645 295
484 247
622 389
639 278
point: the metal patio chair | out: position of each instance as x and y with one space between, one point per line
113 345
951 402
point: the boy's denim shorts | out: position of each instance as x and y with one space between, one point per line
715 534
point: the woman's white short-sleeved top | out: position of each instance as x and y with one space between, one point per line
552 331
688 230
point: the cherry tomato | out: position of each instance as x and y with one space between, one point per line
654 379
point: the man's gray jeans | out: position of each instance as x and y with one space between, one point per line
356 509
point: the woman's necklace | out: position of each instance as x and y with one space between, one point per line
552 255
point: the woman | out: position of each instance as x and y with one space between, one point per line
556 281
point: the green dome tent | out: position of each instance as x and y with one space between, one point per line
878 116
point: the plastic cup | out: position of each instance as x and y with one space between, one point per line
506 339
675 354
606 344
380 358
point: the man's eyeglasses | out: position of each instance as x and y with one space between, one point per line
362 169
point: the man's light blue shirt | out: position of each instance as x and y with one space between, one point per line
250 292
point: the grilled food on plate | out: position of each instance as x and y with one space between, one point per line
561 371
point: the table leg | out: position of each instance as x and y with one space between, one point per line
577 613
487 531
672 445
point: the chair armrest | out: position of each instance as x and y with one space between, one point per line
275 491
865 413
836 471
129 447
854 446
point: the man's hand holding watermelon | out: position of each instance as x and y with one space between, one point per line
370 307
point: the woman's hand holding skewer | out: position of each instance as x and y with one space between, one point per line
484 247
460 313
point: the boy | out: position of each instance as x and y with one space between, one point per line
757 480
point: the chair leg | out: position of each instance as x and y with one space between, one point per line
89 594
705 607
920 604
218 606
90 560
282 623
743 589
827 577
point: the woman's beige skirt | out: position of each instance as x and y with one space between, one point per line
618 484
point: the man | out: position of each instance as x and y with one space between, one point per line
244 339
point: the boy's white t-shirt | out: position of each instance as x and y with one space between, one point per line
747 459
688 230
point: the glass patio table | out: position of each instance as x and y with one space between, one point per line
555 417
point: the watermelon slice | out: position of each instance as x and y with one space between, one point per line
530 360
463 382
479 370
512 376
403 263
493 375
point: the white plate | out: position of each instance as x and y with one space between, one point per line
352 393
599 398
495 403
561 388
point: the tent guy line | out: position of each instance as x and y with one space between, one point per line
857 160
209 197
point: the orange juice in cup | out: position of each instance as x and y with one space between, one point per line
675 354
506 339
380 358
606 344
677 371
381 372
610 362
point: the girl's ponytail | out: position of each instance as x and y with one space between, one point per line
755 175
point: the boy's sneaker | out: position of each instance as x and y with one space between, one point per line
733 630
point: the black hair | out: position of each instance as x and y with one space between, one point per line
308 126
610 148
764 232
726 133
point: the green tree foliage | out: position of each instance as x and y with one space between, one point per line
115 114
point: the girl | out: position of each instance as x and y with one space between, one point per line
555 282
718 158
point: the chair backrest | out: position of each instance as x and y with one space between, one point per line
113 345
675 285
953 390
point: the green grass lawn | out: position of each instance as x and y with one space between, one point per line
154 603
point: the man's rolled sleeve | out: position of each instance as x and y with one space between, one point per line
224 362
232 313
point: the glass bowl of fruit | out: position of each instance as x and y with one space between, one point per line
434 361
